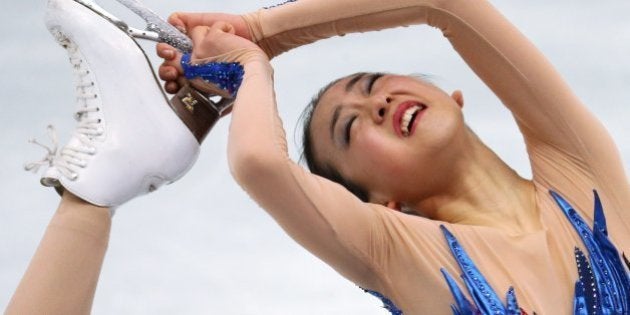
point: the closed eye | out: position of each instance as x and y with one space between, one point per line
347 129
371 80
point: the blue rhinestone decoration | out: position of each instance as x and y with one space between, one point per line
226 76
485 299
387 303
603 286
279 4
585 288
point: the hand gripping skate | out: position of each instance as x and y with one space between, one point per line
129 139
198 109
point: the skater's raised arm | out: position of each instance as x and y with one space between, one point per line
127 142
62 276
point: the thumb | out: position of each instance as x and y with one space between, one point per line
181 21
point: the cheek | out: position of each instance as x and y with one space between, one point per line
381 155
384 165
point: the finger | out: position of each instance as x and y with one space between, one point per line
168 73
171 67
179 20
198 33
171 87
165 51
223 26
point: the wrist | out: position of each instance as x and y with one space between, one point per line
222 75
242 56
70 201
259 66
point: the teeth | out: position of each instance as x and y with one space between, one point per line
406 119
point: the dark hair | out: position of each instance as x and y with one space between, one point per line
325 170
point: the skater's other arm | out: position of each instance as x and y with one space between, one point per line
320 215
62 276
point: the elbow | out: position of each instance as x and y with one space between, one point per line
252 167
244 166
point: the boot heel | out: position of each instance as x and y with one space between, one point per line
197 112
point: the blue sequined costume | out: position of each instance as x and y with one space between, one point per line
602 287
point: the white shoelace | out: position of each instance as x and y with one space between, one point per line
73 156
50 156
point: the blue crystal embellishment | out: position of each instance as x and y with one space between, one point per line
387 303
603 287
485 299
226 76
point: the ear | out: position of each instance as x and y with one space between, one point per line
458 97
394 205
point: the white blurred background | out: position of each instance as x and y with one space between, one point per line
201 246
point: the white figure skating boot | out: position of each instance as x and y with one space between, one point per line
129 139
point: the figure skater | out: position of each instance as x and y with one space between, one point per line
402 196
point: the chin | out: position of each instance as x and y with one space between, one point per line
440 134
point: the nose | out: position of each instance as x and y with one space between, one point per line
380 108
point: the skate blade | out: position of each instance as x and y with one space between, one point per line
122 25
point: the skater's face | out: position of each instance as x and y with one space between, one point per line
385 133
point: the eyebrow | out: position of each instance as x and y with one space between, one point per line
372 79
333 122
354 81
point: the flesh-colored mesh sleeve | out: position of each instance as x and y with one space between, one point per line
567 145
320 215
62 275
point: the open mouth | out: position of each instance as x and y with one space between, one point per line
407 115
